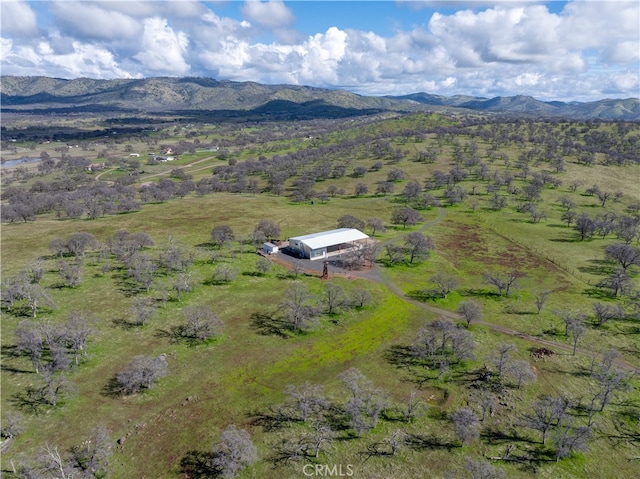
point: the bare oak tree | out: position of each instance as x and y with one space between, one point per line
234 452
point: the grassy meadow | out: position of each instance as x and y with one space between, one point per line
240 377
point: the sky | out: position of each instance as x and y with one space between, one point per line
578 50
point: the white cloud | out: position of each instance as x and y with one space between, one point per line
162 49
89 20
17 19
611 28
588 50
272 13
81 60
142 9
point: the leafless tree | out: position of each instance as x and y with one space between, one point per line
569 438
234 452
298 308
395 253
365 403
221 235
13 289
505 282
320 438
36 298
406 216
350 221
546 413
76 331
361 189
175 257
79 242
30 342
54 384
570 317
483 470
12 425
418 246
487 402
503 350
466 425
223 274
585 226
36 270
521 372
308 399
200 323
141 373
70 272
618 282
576 331
269 229
376 225
91 458
609 379
263 265
142 269
334 297
470 311
445 282
361 297
182 283
441 342
142 309
414 406
541 298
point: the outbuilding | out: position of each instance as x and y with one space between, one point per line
327 243
270 248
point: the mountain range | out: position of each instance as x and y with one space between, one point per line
229 98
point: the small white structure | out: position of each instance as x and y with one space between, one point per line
327 243
270 248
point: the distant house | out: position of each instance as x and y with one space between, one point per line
327 243
95 167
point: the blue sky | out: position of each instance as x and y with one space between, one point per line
577 50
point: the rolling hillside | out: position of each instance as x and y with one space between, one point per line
41 94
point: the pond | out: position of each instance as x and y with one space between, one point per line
19 161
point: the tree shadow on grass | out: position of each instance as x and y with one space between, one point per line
493 435
112 389
267 324
198 465
424 295
31 400
598 267
482 293
124 324
9 352
599 293
272 420
430 441
401 356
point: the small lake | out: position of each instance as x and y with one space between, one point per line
19 161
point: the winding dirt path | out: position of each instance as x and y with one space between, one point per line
396 290
164 173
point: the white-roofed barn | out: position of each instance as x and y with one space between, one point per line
327 243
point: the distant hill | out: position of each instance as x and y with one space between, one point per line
44 94
609 109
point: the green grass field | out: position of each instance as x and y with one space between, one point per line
240 377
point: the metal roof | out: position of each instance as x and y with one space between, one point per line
330 238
